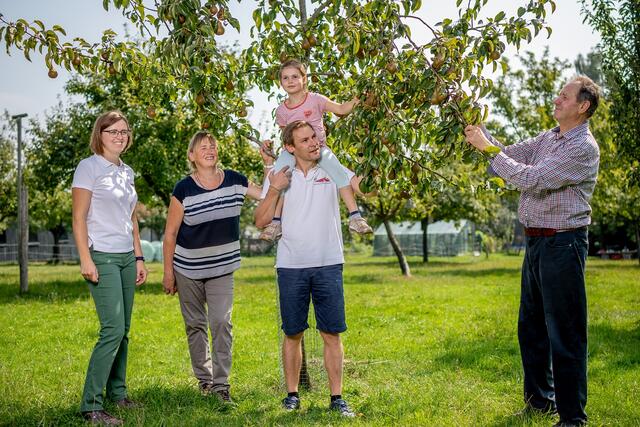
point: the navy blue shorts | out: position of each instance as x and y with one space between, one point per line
298 285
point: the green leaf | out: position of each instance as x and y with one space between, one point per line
59 29
498 181
499 16
257 18
356 43
492 149
521 11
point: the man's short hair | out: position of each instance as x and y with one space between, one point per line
287 133
589 91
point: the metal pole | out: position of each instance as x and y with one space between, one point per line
23 223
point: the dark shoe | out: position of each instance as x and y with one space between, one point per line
101 418
224 396
206 389
291 403
127 403
341 406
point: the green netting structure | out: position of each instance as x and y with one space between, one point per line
444 238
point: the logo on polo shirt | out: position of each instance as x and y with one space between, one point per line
308 113
324 180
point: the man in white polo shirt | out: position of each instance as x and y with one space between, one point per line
309 261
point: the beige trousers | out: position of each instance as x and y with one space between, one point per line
212 300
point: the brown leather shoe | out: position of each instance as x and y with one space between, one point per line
102 418
127 403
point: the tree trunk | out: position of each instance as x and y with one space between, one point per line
638 241
402 260
425 240
57 232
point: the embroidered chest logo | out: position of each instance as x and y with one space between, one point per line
324 180
308 113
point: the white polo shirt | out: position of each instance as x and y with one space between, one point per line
311 226
113 199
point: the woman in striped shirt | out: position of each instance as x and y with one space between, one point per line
201 251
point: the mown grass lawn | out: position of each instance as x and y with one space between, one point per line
437 349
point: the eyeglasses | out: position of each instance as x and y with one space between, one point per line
115 133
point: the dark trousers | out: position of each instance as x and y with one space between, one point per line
552 324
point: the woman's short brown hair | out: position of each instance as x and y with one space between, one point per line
104 121
196 139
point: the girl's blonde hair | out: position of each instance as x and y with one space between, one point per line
104 121
293 63
196 139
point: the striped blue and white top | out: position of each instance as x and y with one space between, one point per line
208 242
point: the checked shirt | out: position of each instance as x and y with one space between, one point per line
556 175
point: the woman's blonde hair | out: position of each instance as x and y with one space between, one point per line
196 139
104 121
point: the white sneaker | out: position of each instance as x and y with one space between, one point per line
359 225
272 232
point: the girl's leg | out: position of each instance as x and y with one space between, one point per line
272 232
284 159
329 162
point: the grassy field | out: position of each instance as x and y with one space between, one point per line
437 349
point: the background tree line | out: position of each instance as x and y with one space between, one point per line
406 136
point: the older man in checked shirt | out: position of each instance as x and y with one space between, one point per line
556 173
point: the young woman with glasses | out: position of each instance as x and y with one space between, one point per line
105 229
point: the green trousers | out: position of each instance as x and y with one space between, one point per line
113 296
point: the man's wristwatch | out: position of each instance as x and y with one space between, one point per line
140 258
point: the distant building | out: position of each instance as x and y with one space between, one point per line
444 238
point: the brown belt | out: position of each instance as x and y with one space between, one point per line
546 232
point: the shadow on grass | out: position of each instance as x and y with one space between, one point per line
61 291
512 420
478 353
34 416
498 271
184 406
618 347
